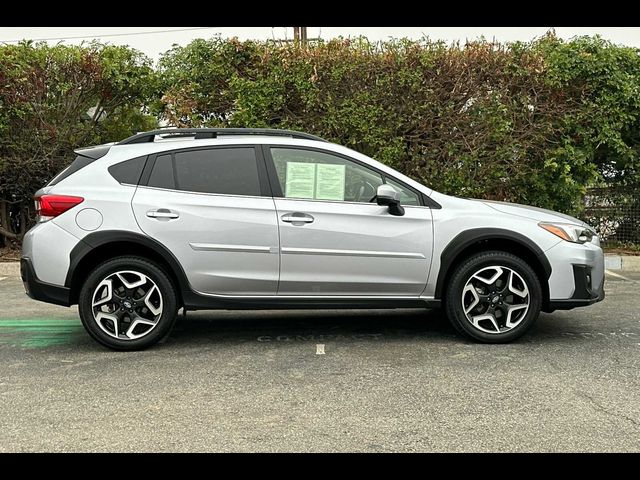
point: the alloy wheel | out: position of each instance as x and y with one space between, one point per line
127 305
495 299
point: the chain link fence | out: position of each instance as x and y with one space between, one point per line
615 214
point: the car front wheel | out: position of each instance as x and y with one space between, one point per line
493 297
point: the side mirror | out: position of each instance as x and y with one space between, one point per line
387 195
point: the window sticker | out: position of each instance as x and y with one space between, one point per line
300 180
330 180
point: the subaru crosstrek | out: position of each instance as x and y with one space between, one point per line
256 218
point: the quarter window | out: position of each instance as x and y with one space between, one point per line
128 171
227 171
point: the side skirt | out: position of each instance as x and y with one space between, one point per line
197 301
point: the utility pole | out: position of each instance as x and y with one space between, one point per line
300 34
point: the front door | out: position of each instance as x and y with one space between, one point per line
334 238
210 208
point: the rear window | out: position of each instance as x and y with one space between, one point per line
227 171
128 171
77 164
85 157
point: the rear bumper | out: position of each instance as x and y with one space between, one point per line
45 292
588 290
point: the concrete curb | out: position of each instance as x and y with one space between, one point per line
9 269
625 263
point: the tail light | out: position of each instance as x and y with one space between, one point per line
50 206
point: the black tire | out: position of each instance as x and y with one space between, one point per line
152 271
465 270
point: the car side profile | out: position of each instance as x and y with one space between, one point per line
258 218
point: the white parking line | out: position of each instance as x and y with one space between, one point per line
2 278
617 275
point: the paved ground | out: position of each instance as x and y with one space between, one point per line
389 381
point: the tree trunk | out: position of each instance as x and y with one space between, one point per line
4 220
6 232
24 217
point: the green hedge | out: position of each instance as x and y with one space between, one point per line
57 98
525 122
530 123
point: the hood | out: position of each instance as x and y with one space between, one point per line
534 213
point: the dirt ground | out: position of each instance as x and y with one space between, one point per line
9 254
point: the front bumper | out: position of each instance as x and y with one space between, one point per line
45 292
585 293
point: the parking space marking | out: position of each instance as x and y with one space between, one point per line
39 332
2 278
320 349
617 275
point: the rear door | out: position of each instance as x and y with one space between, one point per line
212 208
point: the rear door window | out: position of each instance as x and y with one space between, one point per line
162 173
225 171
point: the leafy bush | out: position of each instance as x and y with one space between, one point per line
526 122
57 98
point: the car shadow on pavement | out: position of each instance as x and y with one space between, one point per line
318 325
224 327
339 325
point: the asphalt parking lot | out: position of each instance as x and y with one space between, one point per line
388 381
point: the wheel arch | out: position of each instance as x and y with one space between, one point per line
97 247
478 240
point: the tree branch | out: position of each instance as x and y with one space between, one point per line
11 235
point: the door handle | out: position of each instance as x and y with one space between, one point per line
297 218
162 213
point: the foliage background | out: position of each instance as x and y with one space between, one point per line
54 99
533 123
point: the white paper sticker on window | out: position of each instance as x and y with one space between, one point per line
330 181
300 180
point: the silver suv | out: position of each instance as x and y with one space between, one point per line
257 218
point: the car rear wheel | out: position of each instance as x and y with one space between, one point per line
493 297
128 303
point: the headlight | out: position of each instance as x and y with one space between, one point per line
569 232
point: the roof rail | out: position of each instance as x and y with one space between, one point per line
200 133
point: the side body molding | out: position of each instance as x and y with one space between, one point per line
196 301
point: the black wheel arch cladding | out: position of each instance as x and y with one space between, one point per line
93 241
461 242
